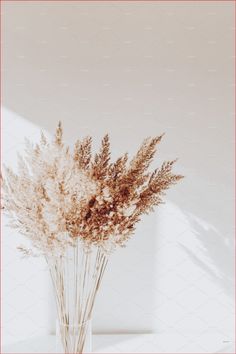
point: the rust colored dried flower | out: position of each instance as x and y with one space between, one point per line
59 196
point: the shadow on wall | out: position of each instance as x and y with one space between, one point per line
201 243
215 254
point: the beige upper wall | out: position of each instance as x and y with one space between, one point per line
129 68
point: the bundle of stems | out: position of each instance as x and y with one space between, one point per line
76 278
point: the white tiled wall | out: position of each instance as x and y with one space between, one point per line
133 69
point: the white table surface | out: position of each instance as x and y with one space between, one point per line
133 343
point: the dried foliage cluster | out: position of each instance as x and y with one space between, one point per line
59 196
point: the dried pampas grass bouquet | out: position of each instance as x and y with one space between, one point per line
76 209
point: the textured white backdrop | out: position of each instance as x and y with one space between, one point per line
133 69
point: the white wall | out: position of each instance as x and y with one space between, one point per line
26 299
137 69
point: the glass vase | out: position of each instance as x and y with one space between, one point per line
73 339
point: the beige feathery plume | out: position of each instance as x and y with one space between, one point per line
58 196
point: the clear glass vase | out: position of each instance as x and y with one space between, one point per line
74 339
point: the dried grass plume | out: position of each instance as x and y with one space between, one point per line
59 196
